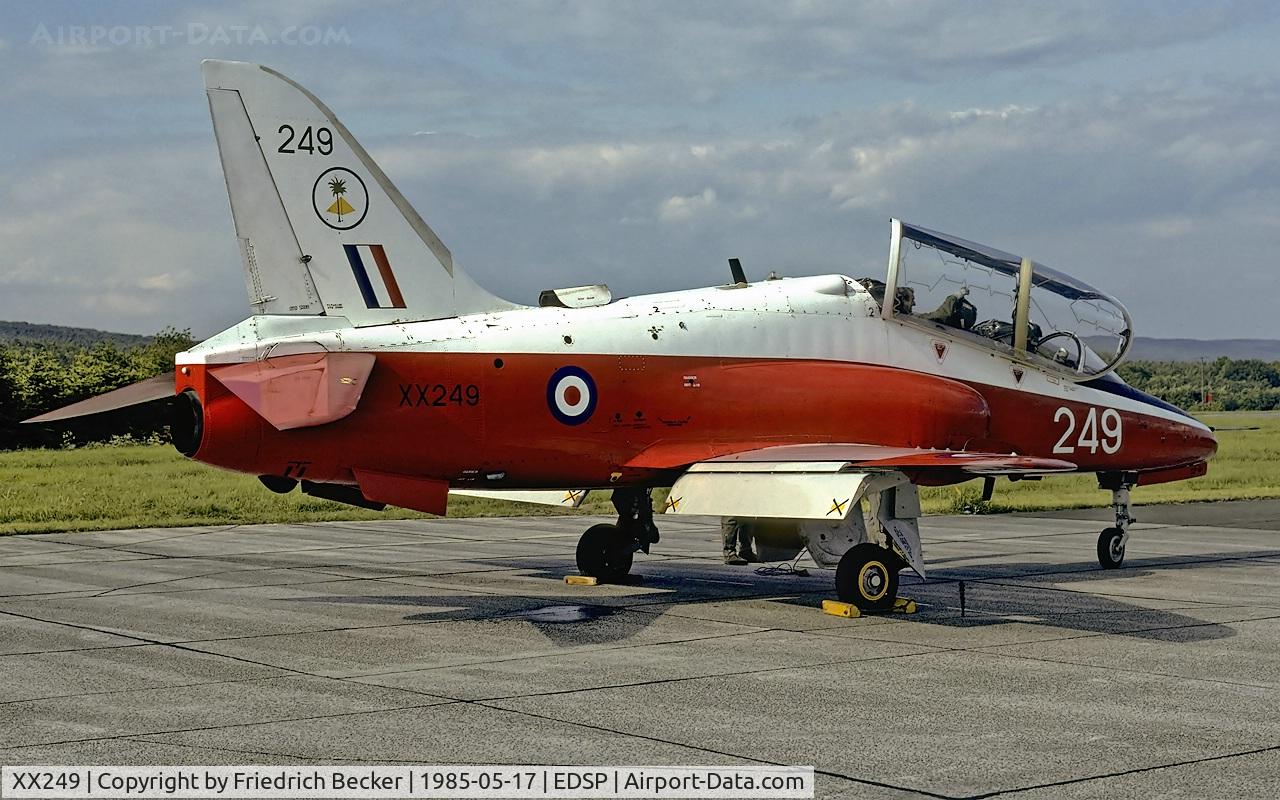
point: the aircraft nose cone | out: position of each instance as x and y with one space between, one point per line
1209 442
1198 443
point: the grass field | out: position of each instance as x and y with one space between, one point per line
99 488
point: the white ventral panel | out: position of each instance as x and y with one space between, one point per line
781 495
564 498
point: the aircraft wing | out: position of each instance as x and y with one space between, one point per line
870 456
682 455
824 481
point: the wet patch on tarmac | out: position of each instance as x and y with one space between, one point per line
564 614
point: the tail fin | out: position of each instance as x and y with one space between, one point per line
322 230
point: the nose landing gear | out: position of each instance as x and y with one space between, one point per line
606 552
1111 541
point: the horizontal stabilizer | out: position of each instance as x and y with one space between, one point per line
158 388
300 390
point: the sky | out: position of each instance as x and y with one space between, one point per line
641 144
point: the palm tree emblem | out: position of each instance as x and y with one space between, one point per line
338 188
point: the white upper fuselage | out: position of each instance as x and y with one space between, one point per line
826 317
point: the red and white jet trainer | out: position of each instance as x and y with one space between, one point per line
374 371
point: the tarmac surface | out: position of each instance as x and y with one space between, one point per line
457 641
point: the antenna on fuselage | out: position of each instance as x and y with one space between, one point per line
735 268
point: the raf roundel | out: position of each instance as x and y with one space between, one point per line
571 395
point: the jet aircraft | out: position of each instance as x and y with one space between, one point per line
374 371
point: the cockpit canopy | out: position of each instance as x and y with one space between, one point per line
1003 301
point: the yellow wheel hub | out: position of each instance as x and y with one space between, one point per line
873 580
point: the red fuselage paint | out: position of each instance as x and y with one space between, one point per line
488 420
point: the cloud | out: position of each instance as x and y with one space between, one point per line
163 282
682 208
642 144
133 241
696 51
1127 190
999 113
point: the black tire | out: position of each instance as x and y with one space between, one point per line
867 576
604 554
1111 548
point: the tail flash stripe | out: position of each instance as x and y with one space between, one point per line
361 276
388 277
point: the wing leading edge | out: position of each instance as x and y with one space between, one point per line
868 456
678 455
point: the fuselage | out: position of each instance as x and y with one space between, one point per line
630 392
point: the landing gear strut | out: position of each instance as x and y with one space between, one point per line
635 516
1111 541
606 551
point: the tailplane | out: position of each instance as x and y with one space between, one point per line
322 230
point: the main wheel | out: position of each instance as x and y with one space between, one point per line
867 576
604 553
1111 548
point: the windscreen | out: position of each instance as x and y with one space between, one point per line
1080 330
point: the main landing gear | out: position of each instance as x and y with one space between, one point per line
605 551
1111 541
605 554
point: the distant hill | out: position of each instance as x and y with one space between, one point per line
1150 349
60 334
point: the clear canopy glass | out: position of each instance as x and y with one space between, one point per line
1006 302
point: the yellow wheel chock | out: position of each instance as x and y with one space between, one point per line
836 608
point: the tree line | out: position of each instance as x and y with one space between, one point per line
63 334
40 376
1224 384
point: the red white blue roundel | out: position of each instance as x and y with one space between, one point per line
571 395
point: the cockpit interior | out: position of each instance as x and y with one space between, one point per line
1012 304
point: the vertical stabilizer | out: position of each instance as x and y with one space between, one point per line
322 229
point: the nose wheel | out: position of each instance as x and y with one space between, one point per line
1111 548
867 576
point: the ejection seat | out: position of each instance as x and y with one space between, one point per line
955 311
